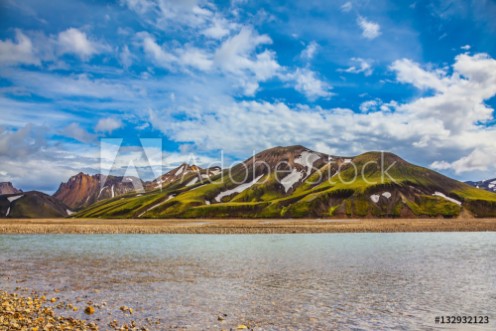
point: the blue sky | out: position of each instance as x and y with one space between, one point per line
417 78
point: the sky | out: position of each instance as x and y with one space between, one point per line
221 80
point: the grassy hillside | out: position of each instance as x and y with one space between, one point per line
370 185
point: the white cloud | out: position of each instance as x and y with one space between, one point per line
410 72
108 125
21 142
370 30
362 66
377 105
307 83
196 58
74 41
445 122
139 6
309 52
125 57
219 28
74 131
235 54
458 105
20 51
157 54
465 47
347 6
480 159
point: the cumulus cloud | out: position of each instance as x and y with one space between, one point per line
19 51
306 82
370 30
360 66
446 122
410 72
458 104
309 52
218 28
108 125
480 159
74 41
377 105
195 58
21 142
74 131
235 55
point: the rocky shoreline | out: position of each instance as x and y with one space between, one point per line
30 311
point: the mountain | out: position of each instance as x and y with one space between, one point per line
8 188
32 204
488 184
83 190
184 174
291 182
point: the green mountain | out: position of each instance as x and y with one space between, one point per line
32 204
295 182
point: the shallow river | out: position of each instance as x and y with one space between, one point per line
399 281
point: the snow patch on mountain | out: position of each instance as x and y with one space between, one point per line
101 190
387 195
307 159
442 195
375 198
192 182
237 189
157 205
291 179
14 198
179 171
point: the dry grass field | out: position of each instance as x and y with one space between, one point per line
240 226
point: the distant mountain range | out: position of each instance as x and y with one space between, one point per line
281 182
487 184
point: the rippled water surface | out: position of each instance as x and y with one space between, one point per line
395 281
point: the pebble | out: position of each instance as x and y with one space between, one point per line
89 310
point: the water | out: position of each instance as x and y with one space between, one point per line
397 281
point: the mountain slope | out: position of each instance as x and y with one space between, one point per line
32 205
297 182
83 190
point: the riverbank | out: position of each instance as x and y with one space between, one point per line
240 226
28 310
